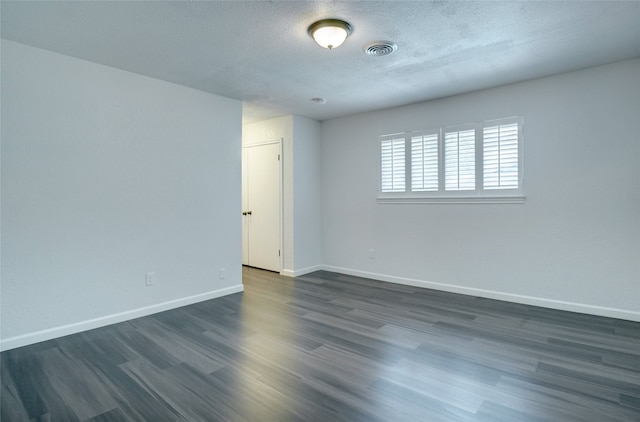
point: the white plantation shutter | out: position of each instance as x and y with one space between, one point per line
460 160
392 165
424 162
477 162
500 156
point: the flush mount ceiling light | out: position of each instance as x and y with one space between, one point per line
330 33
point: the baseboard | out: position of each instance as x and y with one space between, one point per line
31 338
65 330
490 294
301 271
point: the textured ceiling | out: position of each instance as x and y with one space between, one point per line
260 52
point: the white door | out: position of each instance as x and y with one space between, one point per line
261 206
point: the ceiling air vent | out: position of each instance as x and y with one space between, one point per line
380 48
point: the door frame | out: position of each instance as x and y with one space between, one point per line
280 192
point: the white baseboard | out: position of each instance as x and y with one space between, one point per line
48 334
491 294
301 271
55 332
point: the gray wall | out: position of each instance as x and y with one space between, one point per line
107 175
574 244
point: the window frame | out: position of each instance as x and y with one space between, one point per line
479 194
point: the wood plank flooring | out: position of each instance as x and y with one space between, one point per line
330 347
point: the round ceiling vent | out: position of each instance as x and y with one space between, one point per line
380 48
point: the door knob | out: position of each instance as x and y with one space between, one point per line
249 212
244 213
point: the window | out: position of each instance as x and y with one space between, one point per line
500 156
424 163
393 157
481 162
460 160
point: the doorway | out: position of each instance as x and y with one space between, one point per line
262 206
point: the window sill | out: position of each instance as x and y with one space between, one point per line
451 200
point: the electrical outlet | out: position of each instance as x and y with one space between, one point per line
372 253
222 274
150 279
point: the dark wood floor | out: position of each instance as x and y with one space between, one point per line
330 347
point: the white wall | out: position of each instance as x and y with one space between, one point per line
307 195
302 248
574 244
107 175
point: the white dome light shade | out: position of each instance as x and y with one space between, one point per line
330 33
